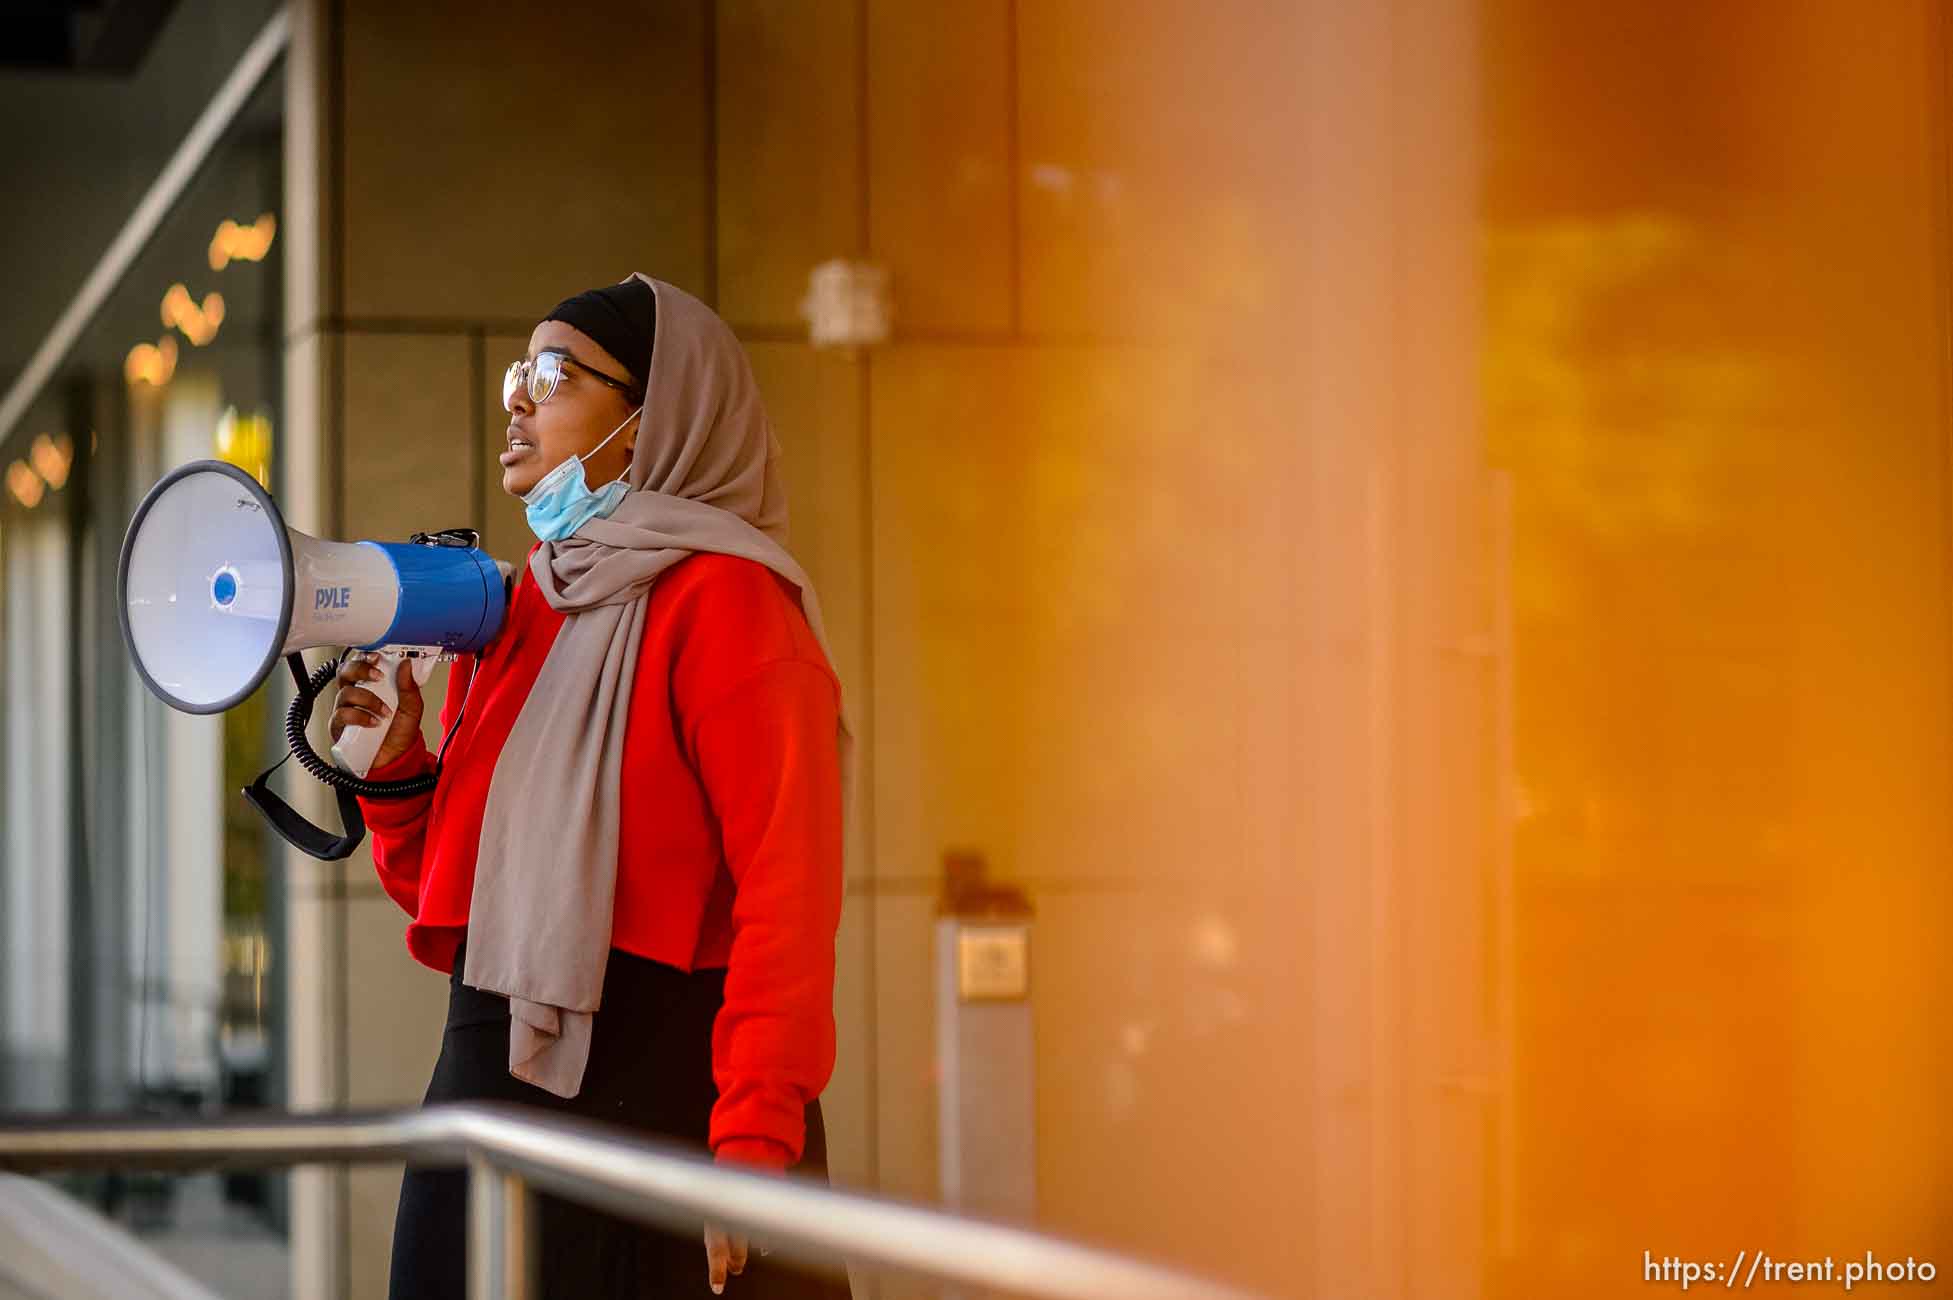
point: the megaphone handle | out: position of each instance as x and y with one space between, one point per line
356 746
284 818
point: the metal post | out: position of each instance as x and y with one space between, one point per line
501 1234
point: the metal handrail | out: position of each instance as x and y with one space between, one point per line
509 1148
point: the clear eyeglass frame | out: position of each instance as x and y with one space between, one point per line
542 373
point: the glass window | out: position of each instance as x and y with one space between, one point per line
141 915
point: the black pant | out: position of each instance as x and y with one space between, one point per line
650 1070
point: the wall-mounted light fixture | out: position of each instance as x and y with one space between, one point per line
847 304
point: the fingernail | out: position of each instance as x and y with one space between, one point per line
718 1288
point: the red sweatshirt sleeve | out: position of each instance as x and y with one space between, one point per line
399 826
766 756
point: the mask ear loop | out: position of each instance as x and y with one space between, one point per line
632 448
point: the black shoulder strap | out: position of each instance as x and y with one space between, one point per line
285 819
302 834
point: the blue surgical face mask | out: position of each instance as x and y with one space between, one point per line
562 502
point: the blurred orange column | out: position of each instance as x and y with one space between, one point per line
1398 680
1717 377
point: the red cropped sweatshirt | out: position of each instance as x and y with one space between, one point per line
729 836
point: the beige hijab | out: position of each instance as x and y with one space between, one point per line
704 477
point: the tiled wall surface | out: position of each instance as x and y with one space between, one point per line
1025 515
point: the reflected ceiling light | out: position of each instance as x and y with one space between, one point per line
25 484
52 458
151 363
233 242
212 125
245 441
198 323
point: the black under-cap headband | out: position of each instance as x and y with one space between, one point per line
622 318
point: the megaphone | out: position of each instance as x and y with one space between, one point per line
213 589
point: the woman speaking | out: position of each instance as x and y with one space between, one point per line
631 866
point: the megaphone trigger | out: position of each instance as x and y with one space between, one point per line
356 746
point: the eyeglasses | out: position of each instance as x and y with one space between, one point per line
541 373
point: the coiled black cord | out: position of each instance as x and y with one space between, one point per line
300 716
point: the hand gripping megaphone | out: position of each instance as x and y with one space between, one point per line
213 590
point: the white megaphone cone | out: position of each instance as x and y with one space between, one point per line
213 590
